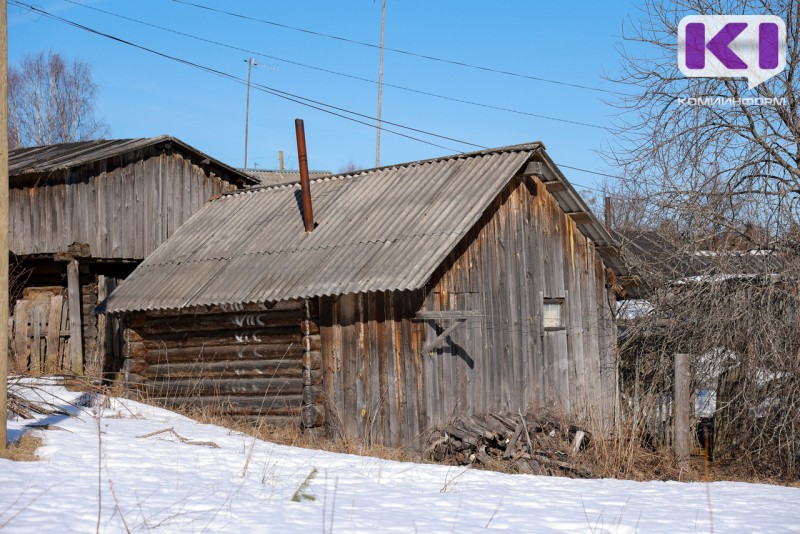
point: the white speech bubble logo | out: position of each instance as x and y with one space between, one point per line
732 46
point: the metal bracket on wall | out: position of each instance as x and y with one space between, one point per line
458 317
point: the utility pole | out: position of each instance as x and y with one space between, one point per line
250 62
380 89
3 225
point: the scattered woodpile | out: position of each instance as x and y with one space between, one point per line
532 444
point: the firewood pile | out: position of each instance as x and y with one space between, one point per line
532 444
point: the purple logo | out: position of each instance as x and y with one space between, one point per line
728 46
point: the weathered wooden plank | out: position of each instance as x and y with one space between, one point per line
362 366
155 353
516 288
263 320
75 327
348 409
555 187
226 369
258 405
35 367
411 413
22 317
381 367
374 429
52 360
395 382
225 386
438 340
416 334
425 315
272 336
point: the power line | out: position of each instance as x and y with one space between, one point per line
399 51
337 73
307 102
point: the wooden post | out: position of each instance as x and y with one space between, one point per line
682 396
3 223
102 327
75 326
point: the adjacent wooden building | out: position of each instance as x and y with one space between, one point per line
471 283
82 216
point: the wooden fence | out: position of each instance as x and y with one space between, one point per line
652 417
41 334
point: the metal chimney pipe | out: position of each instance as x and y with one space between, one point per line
305 184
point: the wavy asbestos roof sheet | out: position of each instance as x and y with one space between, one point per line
377 230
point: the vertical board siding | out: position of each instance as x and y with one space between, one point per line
524 249
123 211
372 379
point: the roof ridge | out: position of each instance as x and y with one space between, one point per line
534 145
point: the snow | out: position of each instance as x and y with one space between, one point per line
161 483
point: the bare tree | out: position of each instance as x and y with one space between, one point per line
712 167
716 178
349 167
52 101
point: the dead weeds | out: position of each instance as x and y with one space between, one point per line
627 458
23 450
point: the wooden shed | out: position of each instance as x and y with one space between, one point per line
82 216
469 283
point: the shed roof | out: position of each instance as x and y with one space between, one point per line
381 229
64 156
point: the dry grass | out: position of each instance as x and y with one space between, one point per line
293 435
621 458
22 450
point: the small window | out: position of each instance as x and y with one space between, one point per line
553 314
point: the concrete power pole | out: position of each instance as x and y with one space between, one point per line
250 62
3 225
380 90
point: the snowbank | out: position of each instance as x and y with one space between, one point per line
177 481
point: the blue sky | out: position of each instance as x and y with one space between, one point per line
142 94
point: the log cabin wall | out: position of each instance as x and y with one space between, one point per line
253 362
524 251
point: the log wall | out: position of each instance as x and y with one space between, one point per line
251 362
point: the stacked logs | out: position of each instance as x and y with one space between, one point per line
532 444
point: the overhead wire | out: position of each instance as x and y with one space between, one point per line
400 51
337 73
304 101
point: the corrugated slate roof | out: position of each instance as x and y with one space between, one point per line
51 158
378 230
